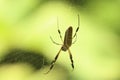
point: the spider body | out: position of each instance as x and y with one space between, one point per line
66 43
67 39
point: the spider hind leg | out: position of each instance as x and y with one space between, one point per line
70 55
53 62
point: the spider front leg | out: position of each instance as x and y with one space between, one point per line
59 30
75 35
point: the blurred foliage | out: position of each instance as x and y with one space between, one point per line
21 56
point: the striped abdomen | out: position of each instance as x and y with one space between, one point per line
67 39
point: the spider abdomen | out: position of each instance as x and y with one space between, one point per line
68 37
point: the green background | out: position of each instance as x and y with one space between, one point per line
26 49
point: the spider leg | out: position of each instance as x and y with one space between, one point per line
60 34
59 30
75 32
70 55
54 41
77 27
75 35
75 40
53 62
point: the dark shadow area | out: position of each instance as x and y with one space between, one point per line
36 60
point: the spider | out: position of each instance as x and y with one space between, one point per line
66 44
